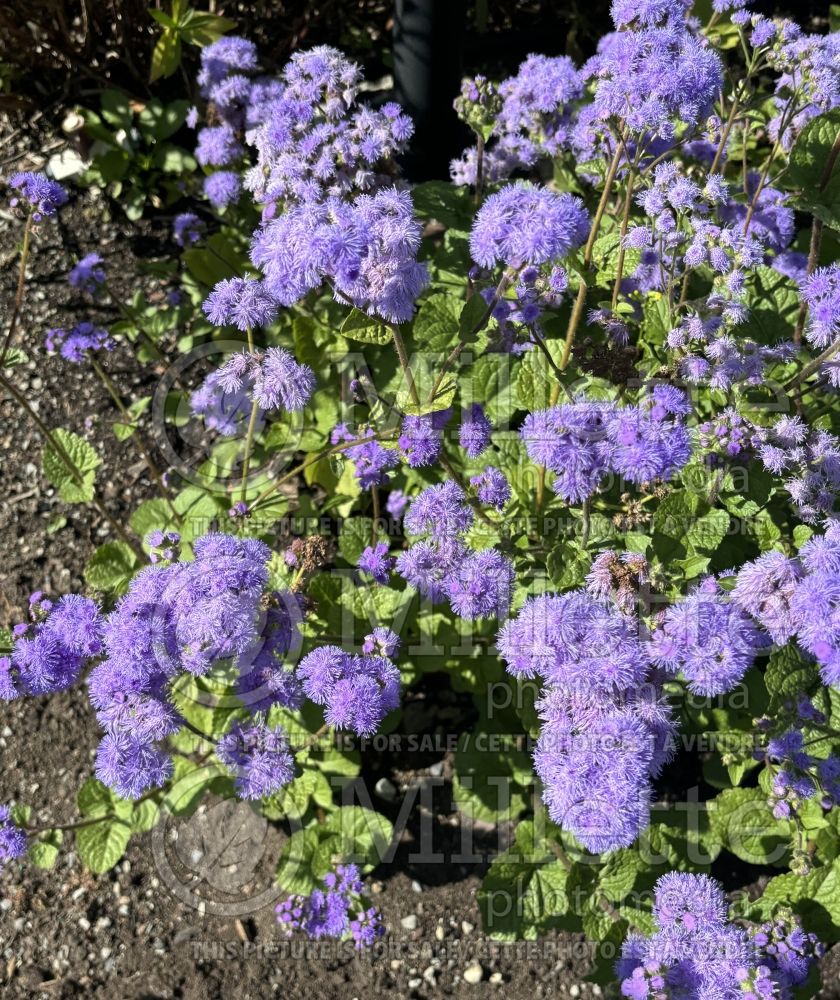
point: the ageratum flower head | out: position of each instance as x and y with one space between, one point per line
74 345
371 459
525 224
697 952
475 430
49 652
336 911
365 250
272 378
37 194
222 188
492 487
764 589
185 618
12 838
708 638
187 229
357 691
533 123
259 758
88 275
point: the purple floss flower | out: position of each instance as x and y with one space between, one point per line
689 902
396 503
282 383
376 562
187 229
224 411
525 224
421 437
264 678
428 566
492 487
88 275
821 294
571 440
574 640
709 639
48 655
38 194
217 146
382 641
815 607
12 838
240 302
74 345
131 766
371 460
787 949
648 13
259 758
474 432
440 511
764 589
227 55
357 691
222 188
334 911
481 585
650 441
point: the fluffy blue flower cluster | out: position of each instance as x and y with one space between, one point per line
442 566
50 650
182 619
357 691
88 275
696 952
74 345
808 457
12 838
271 379
336 911
533 121
708 637
586 441
799 598
606 729
37 194
364 249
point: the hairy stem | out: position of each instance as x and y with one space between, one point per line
249 447
21 287
399 344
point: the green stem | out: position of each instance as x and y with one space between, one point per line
21 286
580 301
33 831
249 445
399 344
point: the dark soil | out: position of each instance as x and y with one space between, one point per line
150 928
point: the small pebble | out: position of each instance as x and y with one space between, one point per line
473 974
467 927
409 922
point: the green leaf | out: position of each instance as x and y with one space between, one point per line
199 27
116 109
166 55
43 853
437 321
163 120
443 202
366 329
151 515
744 823
788 675
812 168
72 487
526 890
111 567
102 844
354 538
